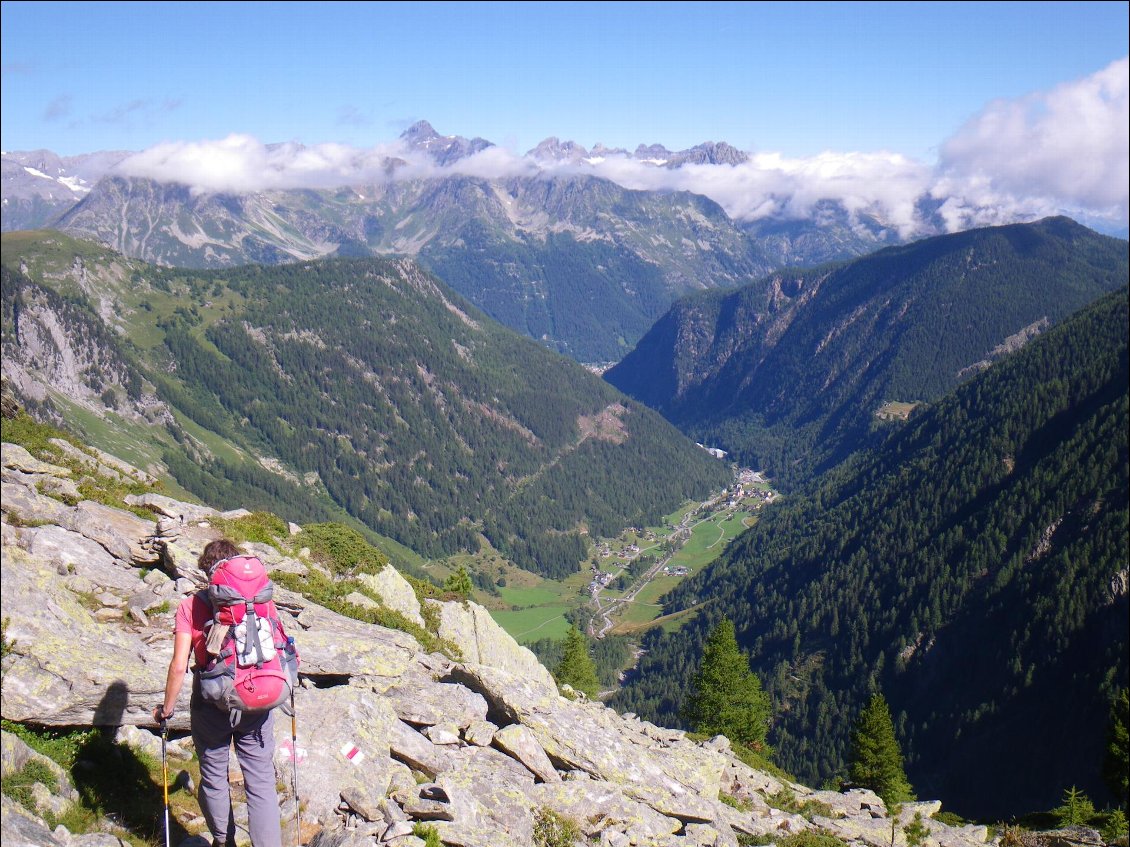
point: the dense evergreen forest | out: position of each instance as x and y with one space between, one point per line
787 373
973 569
419 415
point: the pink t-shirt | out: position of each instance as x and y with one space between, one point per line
192 614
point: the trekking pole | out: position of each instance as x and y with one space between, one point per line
165 773
294 760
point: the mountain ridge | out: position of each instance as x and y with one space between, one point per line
814 353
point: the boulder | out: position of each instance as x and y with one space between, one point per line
28 506
395 591
480 733
119 531
418 700
170 508
517 741
413 749
330 644
20 828
17 458
17 754
481 641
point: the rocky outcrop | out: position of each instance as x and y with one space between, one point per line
384 734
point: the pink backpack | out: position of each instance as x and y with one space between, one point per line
252 664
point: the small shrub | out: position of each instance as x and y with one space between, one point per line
736 802
1077 808
260 527
950 819
428 833
808 838
18 785
916 831
554 830
1115 826
342 549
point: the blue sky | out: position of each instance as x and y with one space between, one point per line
794 78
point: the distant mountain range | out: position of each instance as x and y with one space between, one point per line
567 257
788 373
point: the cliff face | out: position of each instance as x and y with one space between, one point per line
475 740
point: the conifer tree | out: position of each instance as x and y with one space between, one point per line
876 759
726 696
1116 766
459 583
576 667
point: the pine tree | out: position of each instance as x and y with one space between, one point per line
876 759
1077 808
1116 767
459 583
576 667
726 696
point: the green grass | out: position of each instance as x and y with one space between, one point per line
524 597
531 624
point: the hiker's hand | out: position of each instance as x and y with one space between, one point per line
159 714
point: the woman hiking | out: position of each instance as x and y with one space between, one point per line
213 733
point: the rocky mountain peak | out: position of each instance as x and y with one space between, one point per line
709 153
443 149
656 153
554 150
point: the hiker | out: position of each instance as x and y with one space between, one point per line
213 732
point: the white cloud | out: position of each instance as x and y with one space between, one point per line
1066 149
1060 151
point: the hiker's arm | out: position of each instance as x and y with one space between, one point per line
178 667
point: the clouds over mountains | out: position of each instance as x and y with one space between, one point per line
1059 151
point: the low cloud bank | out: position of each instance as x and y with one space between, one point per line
1060 151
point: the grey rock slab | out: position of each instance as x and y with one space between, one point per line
342 745
431 703
18 458
334 645
119 531
598 805
395 591
60 487
517 741
481 641
81 556
107 459
170 508
29 506
49 675
593 738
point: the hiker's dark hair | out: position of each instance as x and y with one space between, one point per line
216 551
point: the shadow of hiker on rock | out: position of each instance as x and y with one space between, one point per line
117 782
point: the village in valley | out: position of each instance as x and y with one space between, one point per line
630 573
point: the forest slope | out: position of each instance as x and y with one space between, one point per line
788 373
368 385
974 569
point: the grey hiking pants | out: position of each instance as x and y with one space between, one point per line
254 738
